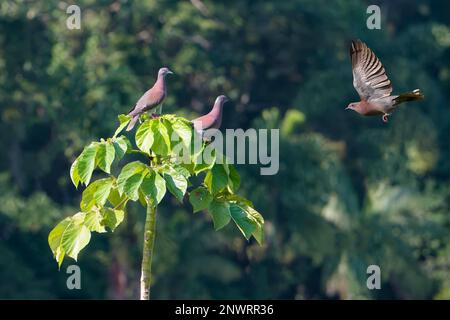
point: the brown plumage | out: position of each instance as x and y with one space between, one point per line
150 99
373 85
213 119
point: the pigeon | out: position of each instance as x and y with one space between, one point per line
373 86
150 99
213 119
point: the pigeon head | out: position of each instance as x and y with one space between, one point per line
222 99
164 71
355 106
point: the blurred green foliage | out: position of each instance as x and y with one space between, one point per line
351 191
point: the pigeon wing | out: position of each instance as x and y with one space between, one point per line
369 77
149 100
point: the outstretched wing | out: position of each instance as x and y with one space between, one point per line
369 77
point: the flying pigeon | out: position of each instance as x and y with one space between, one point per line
213 119
372 84
150 99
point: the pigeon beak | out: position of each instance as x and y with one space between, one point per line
169 72
347 108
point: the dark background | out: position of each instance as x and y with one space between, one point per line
350 192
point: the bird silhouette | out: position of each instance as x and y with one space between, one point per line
151 99
373 85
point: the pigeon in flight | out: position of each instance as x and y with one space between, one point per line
373 86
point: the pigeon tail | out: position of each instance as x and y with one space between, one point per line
132 123
409 96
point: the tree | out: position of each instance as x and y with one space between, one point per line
172 153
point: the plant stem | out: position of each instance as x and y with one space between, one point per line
147 253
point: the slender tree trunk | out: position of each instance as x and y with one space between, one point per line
147 254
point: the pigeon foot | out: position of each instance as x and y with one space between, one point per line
385 117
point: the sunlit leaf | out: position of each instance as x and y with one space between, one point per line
69 237
86 163
105 156
154 187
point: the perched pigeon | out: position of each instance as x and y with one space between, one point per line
213 119
372 84
150 99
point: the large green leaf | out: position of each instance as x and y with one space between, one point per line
154 187
220 212
183 130
123 120
96 194
200 198
105 156
132 184
245 224
145 136
175 182
69 237
86 163
129 170
217 179
161 143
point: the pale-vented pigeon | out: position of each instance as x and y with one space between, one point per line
150 99
213 119
372 84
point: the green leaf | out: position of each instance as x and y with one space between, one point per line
258 222
145 136
132 184
96 194
204 164
217 179
200 198
123 120
220 212
243 222
175 182
69 237
93 221
86 163
161 143
183 130
105 156
74 176
116 199
129 170
120 146
112 218
154 187
234 178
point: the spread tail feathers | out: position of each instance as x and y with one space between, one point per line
132 123
409 96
